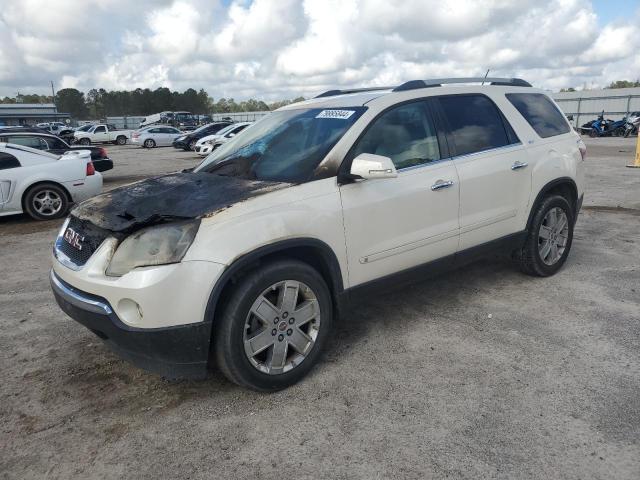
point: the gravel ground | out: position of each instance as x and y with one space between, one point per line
481 373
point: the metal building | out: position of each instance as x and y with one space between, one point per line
586 105
30 113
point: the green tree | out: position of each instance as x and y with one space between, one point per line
70 100
624 84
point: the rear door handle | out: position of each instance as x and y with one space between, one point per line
518 165
441 184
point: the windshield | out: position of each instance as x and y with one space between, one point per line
284 146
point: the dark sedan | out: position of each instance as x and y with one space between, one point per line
188 140
55 145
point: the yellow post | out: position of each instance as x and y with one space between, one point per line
636 164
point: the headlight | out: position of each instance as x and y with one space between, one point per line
181 138
157 245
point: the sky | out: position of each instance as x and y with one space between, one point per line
279 49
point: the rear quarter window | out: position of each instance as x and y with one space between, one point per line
8 161
540 112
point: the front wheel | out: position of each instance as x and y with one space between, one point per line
274 325
593 133
548 239
148 143
84 141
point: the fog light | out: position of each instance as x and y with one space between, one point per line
129 311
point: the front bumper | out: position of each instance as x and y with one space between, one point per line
204 149
180 351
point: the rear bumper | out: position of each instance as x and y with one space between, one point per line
175 352
102 164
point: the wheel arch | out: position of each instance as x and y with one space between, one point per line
564 186
312 251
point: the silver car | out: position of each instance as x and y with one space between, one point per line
155 136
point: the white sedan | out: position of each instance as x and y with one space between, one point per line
155 136
44 185
208 144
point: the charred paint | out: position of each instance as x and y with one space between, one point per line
169 197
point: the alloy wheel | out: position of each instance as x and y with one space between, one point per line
553 236
47 203
281 327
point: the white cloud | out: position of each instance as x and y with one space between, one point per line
275 49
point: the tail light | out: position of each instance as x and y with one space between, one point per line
91 170
102 152
135 135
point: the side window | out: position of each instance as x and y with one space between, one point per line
540 112
8 161
475 123
56 143
155 130
405 134
33 142
100 129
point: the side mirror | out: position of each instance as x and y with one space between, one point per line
369 166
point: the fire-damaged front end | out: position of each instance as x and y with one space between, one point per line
121 267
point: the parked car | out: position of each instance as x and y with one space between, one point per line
44 185
102 133
57 146
251 255
188 140
208 144
155 136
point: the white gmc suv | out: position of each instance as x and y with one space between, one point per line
246 261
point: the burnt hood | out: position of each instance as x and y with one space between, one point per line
169 197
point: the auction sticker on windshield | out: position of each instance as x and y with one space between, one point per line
341 114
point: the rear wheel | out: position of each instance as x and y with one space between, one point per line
149 143
274 325
549 238
46 201
593 133
121 140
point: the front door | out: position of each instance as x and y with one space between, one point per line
396 223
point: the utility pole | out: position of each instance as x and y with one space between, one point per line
53 100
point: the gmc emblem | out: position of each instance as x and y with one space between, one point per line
73 238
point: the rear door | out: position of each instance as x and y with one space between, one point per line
493 166
397 223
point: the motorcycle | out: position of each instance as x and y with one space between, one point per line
632 122
602 127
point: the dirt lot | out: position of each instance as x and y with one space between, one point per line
482 373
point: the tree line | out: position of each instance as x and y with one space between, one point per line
612 85
100 103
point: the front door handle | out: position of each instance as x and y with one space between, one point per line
518 165
441 184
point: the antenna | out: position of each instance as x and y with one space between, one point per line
485 76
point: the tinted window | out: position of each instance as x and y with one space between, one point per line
100 130
540 112
405 134
8 161
475 123
56 143
155 130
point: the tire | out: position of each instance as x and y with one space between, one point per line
531 259
121 140
84 141
238 324
149 143
46 201
593 133
191 146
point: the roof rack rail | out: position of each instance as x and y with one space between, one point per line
438 82
331 93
